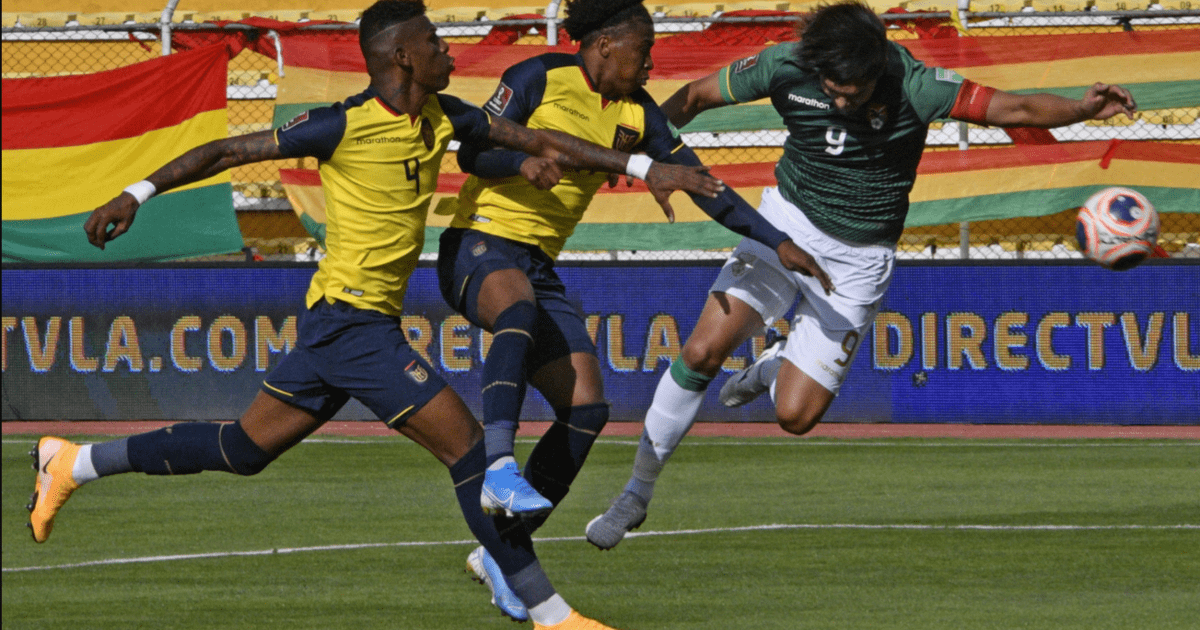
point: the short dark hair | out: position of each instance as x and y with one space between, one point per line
587 18
845 43
384 14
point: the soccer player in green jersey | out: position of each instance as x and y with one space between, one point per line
857 109
379 153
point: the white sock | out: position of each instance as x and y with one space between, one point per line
499 463
669 418
83 471
550 612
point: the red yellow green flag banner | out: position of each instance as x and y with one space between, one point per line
952 186
72 143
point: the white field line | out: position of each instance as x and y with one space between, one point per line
679 532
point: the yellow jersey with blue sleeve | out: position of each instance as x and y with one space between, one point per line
379 170
552 91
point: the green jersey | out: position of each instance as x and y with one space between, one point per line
850 173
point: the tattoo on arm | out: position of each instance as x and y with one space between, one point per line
214 157
568 151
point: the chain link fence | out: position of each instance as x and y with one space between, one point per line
55 44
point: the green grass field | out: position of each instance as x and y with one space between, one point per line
896 534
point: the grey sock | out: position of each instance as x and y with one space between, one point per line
111 458
531 585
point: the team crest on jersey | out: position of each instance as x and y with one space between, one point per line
499 100
416 372
877 115
295 121
427 134
745 64
479 249
625 138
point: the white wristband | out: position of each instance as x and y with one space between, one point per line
638 166
142 191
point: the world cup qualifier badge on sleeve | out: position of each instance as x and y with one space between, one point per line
499 100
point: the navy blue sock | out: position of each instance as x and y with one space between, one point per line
559 455
191 447
504 378
512 550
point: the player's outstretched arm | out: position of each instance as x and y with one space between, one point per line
570 152
693 98
200 163
1100 102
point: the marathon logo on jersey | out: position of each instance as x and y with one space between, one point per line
811 102
479 249
295 121
745 64
625 138
499 100
416 372
877 115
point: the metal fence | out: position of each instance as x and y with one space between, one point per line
53 44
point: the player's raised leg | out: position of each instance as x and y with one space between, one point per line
267 429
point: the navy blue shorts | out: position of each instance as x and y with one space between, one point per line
466 257
342 352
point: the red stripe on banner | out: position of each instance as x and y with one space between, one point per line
299 177
965 52
115 104
1044 155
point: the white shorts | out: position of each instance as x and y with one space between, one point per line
827 330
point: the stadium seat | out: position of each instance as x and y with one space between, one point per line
10 20
940 6
769 5
1120 120
1179 5
285 15
44 20
1181 116
690 9
1057 6
458 14
222 16
497 14
1120 5
106 19
337 15
998 6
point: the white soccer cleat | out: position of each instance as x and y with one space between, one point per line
485 571
748 384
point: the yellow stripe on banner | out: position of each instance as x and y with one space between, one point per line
308 200
940 186
84 177
1151 68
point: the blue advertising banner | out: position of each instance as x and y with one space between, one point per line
967 342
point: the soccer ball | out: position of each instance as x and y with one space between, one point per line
1117 227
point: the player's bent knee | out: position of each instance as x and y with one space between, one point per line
799 424
702 357
241 453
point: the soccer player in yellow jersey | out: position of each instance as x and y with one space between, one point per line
496 262
379 156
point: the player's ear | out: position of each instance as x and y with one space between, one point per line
603 45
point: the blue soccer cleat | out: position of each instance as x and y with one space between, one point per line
505 491
487 572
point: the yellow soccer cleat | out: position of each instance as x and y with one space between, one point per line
53 459
574 621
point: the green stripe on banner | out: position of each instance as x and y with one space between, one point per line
736 118
599 237
1161 95
286 112
1036 203
1149 96
196 222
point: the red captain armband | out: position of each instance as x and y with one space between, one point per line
972 102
